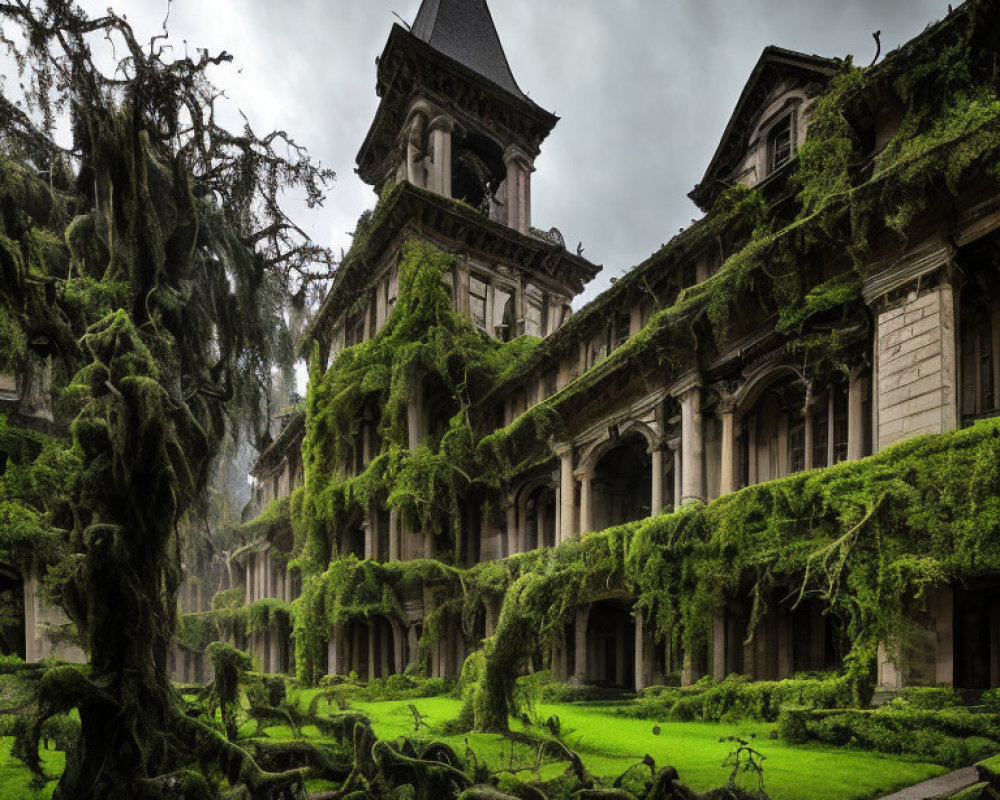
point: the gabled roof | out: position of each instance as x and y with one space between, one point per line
774 63
464 30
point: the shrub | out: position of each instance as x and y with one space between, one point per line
927 698
737 698
951 737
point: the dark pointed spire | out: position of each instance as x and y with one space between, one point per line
464 31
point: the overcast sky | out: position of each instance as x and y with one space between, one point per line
644 89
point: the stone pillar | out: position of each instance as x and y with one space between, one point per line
440 131
384 646
640 650
719 644
692 447
752 474
890 677
656 495
414 420
248 575
580 644
394 535
397 646
855 415
567 494
371 651
675 451
370 534
518 189
412 645
514 539
942 601
727 478
333 653
915 376
586 501
274 641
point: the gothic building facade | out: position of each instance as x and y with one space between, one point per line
652 416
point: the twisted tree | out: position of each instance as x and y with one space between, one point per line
149 259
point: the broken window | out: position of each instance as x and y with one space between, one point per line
477 301
780 143
503 314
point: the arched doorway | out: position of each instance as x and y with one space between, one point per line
540 519
623 483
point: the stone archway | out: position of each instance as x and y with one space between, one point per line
622 482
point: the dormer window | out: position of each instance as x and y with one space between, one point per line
779 144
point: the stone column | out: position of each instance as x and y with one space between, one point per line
586 501
440 131
370 533
943 609
248 576
890 677
412 645
394 535
384 646
514 539
692 444
332 653
580 644
640 650
656 495
356 648
855 415
915 361
518 189
567 494
727 479
752 475
371 651
675 451
719 644
397 646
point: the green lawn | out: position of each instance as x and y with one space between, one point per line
15 778
609 744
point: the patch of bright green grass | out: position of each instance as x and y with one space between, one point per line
15 779
609 744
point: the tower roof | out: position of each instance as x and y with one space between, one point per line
464 31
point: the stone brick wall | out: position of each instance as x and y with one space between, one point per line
915 352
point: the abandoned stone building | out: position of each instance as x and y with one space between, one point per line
651 418
456 139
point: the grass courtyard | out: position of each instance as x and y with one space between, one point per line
608 743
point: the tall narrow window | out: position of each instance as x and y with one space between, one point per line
797 449
780 143
503 314
477 301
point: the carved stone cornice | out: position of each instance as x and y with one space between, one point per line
458 229
898 271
